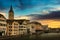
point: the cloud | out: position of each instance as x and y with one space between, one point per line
44 12
33 6
55 9
51 15
23 17
3 13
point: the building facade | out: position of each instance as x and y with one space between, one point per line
3 25
35 27
16 27
12 26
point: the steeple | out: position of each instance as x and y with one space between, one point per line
11 9
11 13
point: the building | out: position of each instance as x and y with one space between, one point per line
16 27
3 25
23 26
35 27
11 13
12 26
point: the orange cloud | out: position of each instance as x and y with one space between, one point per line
50 22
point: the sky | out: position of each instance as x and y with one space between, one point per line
27 7
35 9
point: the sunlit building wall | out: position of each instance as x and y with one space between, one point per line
3 25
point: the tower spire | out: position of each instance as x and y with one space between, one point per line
11 9
11 13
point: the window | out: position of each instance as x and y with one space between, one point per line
24 27
9 33
3 24
21 29
21 26
0 24
10 26
15 30
10 29
4 28
32 26
15 26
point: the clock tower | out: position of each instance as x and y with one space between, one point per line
11 13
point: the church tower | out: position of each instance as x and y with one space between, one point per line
11 13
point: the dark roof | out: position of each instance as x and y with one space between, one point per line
19 21
11 9
36 23
2 16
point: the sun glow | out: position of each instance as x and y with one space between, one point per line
50 23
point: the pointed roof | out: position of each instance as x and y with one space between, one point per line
11 9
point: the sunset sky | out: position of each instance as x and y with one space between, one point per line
52 23
27 7
35 9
